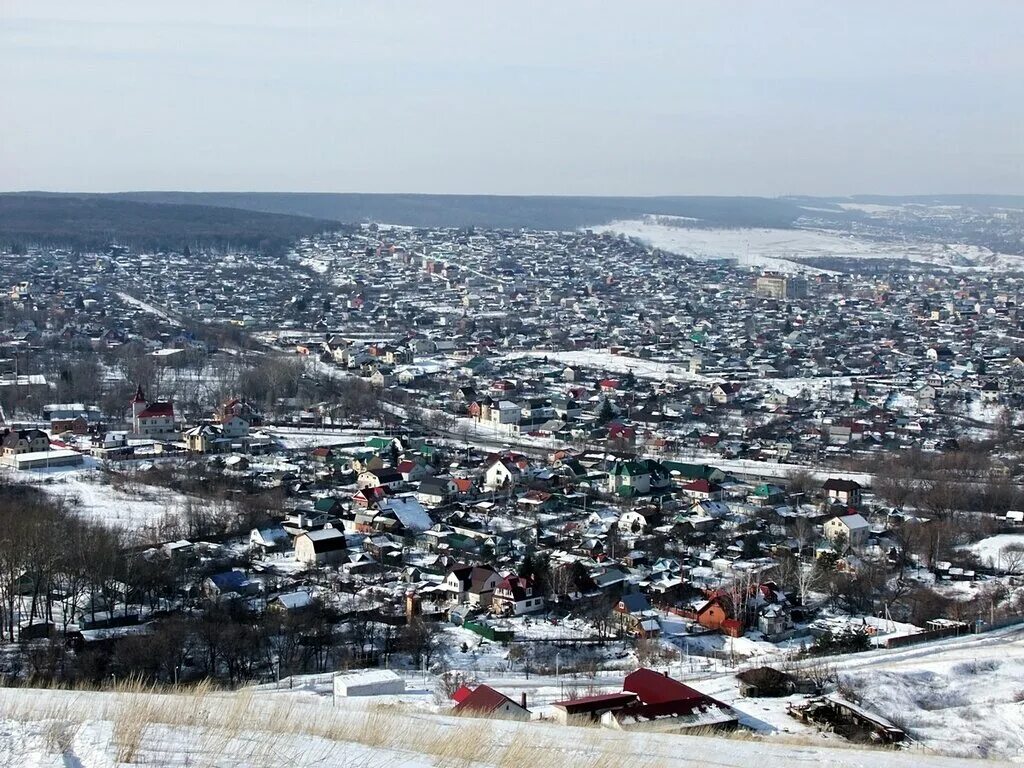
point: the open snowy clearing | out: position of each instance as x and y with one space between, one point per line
604 360
133 507
62 728
991 550
776 248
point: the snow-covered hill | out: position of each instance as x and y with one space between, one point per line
65 728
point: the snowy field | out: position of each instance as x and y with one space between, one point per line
990 550
66 728
961 697
134 506
604 360
304 439
775 249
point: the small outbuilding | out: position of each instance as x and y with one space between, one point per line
370 682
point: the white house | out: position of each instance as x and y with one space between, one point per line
324 547
852 529
501 474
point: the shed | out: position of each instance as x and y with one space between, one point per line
370 682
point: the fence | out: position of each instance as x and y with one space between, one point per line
488 632
939 634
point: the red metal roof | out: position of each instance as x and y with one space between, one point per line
655 688
484 699
158 409
462 694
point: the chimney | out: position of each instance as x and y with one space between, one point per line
522 699
412 605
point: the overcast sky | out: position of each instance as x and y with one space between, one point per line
547 97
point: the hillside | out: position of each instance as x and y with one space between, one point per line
40 727
95 221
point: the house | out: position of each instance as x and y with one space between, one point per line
326 546
203 438
590 708
269 539
636 616
774 620
472 584
849 530
484 701
386 477
152 419
703 489
766 682
716 613
502 473
408 511
229 583
412 471
292 601
845 492
723 394
19 441
433 491
639 521
629 478
515 595
368 682
666 705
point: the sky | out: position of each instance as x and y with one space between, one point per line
633 97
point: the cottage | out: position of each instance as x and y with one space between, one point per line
846 492
484 701
515 595
847 531
324 547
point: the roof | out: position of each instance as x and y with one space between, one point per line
437 485
484 699
655 688
593 703
409 511
478 577
228 580
386 475
838 484
326 539
155 410
634 602
854 522
294 600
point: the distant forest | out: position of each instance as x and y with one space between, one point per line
94 222
493 211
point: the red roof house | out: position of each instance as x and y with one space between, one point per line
484 700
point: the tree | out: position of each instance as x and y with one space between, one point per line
419 639
1011 558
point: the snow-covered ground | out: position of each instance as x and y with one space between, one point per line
961 697
69 728
776 248
134 506
603 360
145 307
991 550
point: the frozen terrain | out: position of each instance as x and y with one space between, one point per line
64 728
775 249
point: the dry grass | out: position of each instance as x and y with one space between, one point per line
281 730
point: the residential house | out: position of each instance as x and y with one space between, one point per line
515 595
326 546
